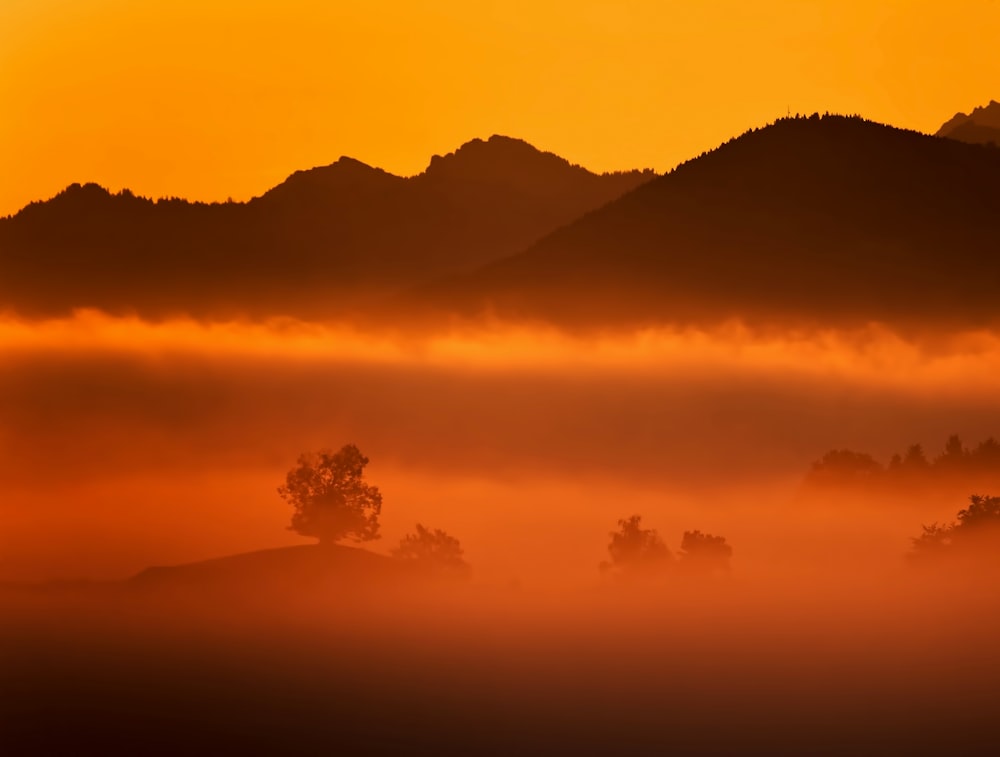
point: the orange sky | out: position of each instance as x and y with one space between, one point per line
213 99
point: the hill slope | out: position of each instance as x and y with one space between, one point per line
820 218
323 242
300 568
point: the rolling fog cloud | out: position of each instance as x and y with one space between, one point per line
125 441
874 355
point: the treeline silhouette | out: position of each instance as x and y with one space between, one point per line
846 468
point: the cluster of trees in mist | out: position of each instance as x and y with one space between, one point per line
975 535
844 467
636 551
331 501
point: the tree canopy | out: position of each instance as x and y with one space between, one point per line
330 498
633 547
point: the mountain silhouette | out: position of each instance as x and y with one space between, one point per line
323 242
813 218
982 126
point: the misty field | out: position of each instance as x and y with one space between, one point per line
169 448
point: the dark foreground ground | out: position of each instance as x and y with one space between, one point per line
908 666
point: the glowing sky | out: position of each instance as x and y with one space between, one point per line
207 99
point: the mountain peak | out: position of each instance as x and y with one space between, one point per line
990 111
342 166
344 175
79 199
77 193
981 126
498 158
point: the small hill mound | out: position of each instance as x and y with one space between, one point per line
299 568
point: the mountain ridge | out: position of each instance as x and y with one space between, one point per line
819 217
350 167
326 241
822 218
981 126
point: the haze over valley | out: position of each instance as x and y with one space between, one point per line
510 456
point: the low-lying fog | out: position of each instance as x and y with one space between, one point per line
127 444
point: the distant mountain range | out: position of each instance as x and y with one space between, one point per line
821 219
981 126
324 242
818 219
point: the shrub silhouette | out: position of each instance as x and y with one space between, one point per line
636 549
432 550
330 498
704 553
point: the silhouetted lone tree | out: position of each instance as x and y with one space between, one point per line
636 549
330 497
432 550
975 535
704 553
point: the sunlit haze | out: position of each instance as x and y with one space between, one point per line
629 389
199 420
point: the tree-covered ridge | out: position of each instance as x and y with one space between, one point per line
845 467
824 219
